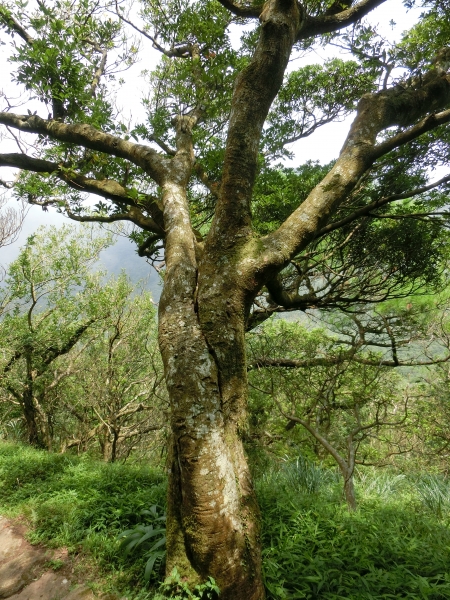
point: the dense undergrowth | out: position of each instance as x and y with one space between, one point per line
81 504
396 545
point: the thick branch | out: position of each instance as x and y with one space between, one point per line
287 299
376 112
88 137
255 89
427 124
250 12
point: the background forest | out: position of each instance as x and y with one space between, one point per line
348 433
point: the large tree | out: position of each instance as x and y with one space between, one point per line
242 237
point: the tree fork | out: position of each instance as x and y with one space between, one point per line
212 510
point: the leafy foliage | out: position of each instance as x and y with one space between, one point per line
314 548
63 80
174 587
143 537
313 96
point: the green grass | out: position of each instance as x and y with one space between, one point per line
81 504
396 545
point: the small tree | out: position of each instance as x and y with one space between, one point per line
115 394
48 305
432 399
342 392
11 220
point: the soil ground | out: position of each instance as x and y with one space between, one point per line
35 573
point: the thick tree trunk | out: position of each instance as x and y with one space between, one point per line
213 518
212 511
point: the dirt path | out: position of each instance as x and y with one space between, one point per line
26 571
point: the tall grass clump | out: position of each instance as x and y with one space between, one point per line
434 493
383 485
298 477
304 476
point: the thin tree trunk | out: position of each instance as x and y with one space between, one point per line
29 409
348 472
349 489
29 412
115 439
346 467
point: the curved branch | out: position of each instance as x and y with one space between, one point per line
133 215
249 12
375 113
365 210
212 186
89 137
8 21
292 363
426 124
147 247
287 299
105 188
325 443
330 23
183 51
